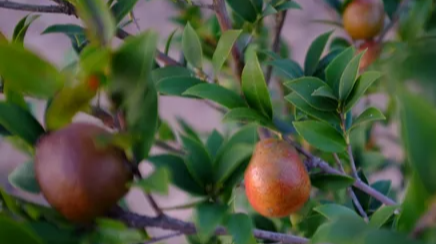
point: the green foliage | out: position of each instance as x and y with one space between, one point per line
191 47
158 182
121 8
22 27
314 53
208 217
321 135
240 227
16 233
216 93
23 177
369 115
248 10
223 48
330 182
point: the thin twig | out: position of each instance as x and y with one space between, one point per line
168 223
35 8
350 190
225 24
394 20
196 4
349 149
280 20
161 238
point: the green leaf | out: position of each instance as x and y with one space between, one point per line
362 84
344 230
169 41
382 215
246 135
387 236
286 68
324 91
287 5
21 28
305 86
247 115
321 135
329 117
121 8
208 217
9 202
240 227
348 77
198 160
165 132
314 54
339 43
52 234
157 182
214 143
334 211
114 232
179 173
415 203
20 122
218 94
246 9
14 97
325 62
369 115
188 130
382 186
191 46
170 72
75 33
98 18
41 79
23 177
132 81
269 10
223 48
337 67
412 24
176 86
418 133
330 181
13 232
254 86
230 161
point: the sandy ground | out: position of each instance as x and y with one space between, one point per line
298 32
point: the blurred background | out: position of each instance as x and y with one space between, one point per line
299 31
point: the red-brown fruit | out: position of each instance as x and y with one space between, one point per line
364 19
80 179
373 50
276 180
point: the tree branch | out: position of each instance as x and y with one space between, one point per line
164 222
350 190
36 8
280 20
394 20
225 24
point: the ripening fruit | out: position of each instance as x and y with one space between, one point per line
373 50
364 19
79 178
276 180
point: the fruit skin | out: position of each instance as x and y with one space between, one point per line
373 50
276 180
79 179
364 19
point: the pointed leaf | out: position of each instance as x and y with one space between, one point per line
369 115
287 5
169 41
121 8
286 68
188 130
208 217
254 86
157 182
241 228
20 122
165 132
247 115
362 84
246 9
218 94
329 117
230 161
269 10
132 82
191 46
223 48
245 135
344 230
179 174
176 86
336 68
418 133
23 177
330 182
382 215
314 53
333 211
98 18
305 86
321 135
198 160
170 72
41 79
324 91
348 77
13 232
21 28
214 142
